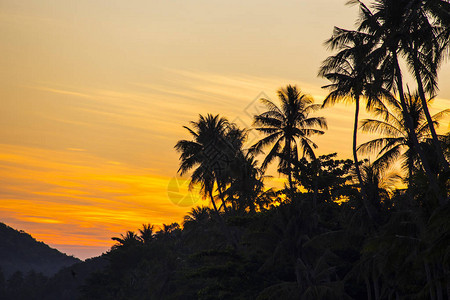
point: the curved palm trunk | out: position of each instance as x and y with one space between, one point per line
423 99
412 134
214 204
225 208
355 159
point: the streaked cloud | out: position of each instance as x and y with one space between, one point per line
74 198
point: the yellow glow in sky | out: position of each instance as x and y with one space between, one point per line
94 94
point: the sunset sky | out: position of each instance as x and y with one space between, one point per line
94 94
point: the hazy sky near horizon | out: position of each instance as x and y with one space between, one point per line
94 95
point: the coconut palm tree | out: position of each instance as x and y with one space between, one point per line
246 185
354 76
167 230
234 140
396 142
203 153
128 240
391 23
199 214
146 233
287 128
380 183
208 155
422 36
425 52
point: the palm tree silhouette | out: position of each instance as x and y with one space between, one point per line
197 214
353 75
421 34
425 50
203 154
287 128
128 240
146 233
246 184
392 25
379 182
209 155
396 142
234 140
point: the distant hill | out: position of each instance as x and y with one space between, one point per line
19 251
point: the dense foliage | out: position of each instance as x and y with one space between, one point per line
288 251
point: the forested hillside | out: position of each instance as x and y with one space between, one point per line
19 251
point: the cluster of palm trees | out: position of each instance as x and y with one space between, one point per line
220 164
367 67
230 174
395 241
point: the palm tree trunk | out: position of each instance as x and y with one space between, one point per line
356 161
225 208
213 203
423 99
222 224
412 134
291 185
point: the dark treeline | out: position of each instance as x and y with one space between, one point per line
321 237
339 229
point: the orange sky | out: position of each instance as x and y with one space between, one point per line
94 95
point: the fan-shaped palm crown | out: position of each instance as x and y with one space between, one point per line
396 142
205 152
288 127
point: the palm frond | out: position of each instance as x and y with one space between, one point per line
381 127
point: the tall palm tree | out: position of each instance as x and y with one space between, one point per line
287 128
392 24
425 51
422 36
396 142
354 76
